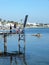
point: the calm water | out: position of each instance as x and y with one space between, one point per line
37 48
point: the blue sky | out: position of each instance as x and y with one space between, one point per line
38 10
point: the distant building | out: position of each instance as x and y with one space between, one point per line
8 24
0 24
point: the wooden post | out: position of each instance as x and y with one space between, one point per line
24 48
19 44
5 44
11 60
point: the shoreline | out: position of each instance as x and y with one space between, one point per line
8 28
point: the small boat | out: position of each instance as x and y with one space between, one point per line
38 35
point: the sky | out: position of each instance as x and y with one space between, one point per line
15 10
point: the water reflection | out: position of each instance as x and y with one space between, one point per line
14 60
14 55
11 60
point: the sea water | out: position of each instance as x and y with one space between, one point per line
36 51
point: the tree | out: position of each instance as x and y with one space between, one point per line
3 22
0 19
11 21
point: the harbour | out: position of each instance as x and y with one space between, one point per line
24 32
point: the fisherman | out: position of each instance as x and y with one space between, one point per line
10 29
15 25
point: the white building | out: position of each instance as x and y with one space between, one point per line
8 24
31 23
0 24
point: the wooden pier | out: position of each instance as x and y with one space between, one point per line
15 54
21 38
5 43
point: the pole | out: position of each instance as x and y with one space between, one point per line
5 44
